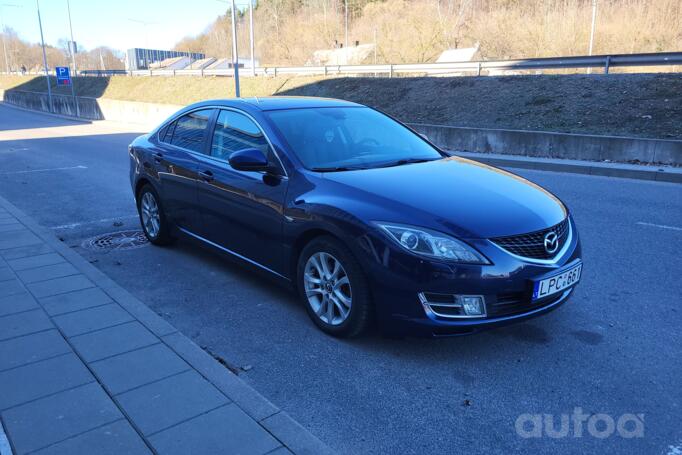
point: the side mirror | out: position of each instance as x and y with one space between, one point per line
250 159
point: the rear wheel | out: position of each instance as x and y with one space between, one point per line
152 217
333 288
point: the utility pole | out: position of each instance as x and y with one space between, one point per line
594 23
253 60
235 52
72 49
47 73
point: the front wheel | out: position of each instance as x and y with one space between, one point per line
333 288
152 217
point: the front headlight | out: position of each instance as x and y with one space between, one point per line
433 244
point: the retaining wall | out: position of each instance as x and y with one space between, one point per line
511 142
554 145
150 114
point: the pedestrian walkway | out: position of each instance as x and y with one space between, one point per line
87 368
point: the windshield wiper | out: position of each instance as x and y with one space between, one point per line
405 161
374 166
337 168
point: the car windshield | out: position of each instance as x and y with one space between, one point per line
345 138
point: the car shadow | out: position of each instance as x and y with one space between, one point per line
484 344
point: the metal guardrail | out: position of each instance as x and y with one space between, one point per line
455 68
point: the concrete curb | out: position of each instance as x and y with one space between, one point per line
278 423
621 170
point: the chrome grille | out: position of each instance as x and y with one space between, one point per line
532 245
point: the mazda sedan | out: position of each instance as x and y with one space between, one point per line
364 217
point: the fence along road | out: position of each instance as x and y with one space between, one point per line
478 67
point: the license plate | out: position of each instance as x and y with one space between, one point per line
557 283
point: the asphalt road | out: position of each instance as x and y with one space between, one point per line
613 349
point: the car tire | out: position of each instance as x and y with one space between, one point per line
149 208
360 311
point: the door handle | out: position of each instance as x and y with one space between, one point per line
206 176
158 157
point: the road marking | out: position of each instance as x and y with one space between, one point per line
103 220
662 226
44 170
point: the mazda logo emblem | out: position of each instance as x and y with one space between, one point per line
551 242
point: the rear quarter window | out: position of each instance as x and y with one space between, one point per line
166 131
189 131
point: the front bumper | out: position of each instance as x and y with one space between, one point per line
397 278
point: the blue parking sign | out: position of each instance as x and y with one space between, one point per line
63 75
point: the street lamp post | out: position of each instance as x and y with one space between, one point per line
594 22
47 73
72 48
235 53
72 51
253 59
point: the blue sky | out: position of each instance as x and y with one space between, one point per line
107 22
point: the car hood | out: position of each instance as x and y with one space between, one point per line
464 197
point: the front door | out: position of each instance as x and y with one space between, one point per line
242 210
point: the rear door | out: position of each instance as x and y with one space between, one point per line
242 210
177 166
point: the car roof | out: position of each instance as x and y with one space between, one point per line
272 103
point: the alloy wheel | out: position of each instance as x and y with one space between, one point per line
151 219
327 288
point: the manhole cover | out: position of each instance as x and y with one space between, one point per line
115 241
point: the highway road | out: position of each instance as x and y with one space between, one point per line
614 349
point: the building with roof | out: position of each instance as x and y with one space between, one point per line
142 59
464 54
355 55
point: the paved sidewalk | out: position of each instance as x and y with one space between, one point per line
87 368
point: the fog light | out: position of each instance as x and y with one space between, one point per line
473 305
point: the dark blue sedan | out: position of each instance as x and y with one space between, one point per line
366 219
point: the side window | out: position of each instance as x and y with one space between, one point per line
235 131
188 131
